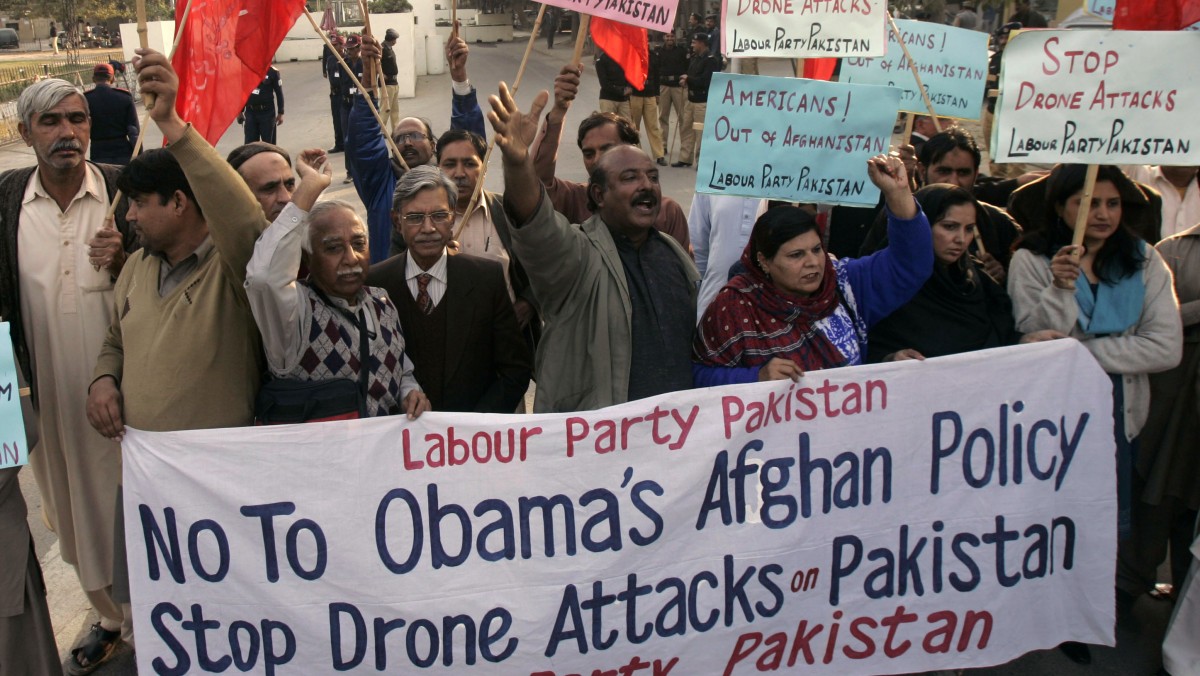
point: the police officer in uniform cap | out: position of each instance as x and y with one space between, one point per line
114 118
349 90
260 116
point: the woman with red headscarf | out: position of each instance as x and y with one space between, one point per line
795 309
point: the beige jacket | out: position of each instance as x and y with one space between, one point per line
1153 344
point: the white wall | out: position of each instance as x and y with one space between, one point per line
418 49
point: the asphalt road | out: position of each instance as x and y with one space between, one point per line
307 124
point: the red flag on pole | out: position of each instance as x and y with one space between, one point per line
1155 15
627 45
224 53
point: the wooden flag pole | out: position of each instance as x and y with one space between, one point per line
585 20
387 138
147 99
478 192
913 66
1085 204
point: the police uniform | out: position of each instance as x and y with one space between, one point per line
348 89
260 111
114 121
332 71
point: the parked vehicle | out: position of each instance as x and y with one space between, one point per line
9 39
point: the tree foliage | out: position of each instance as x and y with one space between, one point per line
390 6
95 11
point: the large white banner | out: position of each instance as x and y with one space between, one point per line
1099 97
886 519
803 28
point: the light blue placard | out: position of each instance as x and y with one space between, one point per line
793 139
953 63
13 452
1105 9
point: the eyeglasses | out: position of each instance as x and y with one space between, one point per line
410 137
438 218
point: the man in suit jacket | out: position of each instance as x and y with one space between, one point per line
487 233
457 316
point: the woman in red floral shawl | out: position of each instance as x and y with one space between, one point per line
795 308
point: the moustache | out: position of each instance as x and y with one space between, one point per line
66 144
346 272
646 196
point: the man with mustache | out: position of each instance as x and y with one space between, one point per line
618 297
597 133
376 171
456 311
59 260
182 323
333 304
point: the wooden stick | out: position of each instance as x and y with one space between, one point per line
1085 204
144 43
1085 209
913 66
477 194
909 120
148 101
387 138
454 16
373 68
585 20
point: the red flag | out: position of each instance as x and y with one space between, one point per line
627 45
1155 15
224 53
819 69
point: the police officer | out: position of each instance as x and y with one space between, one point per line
349 90
332 71
114 119
391 108
260 116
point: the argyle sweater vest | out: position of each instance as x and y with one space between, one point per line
333 349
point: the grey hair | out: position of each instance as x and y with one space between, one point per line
422 178
320 210
44 95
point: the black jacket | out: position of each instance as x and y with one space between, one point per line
699 75
672 62
612 78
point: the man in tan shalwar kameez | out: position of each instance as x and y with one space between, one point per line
59 265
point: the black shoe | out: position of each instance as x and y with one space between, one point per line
333 150
1077 652
662 161
681 164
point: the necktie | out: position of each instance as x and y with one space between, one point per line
424 302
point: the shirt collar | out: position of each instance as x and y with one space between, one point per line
437 270
92 186
200 254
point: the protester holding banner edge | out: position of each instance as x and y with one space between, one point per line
1114 294
960 308
826 306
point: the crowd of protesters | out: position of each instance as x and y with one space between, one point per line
227 293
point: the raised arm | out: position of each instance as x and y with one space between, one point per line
545 151
515 130
276 301
234 216
464 104
889 278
